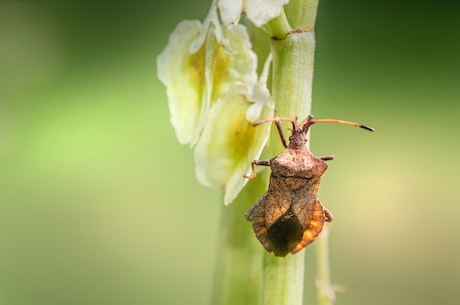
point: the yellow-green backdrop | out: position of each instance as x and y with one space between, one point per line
99 203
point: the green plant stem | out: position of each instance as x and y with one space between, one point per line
325 291
293 60
293 64
247 274
240 255
292 84
302 14
279 27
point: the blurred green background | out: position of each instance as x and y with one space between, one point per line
99 203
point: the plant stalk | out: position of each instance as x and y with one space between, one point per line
292 88
246 273
240 255
325 291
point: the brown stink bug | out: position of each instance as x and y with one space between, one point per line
289 216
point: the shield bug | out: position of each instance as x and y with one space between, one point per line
289 216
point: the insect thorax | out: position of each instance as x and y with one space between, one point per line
298 163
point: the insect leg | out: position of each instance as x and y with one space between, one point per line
328 215
281 133
253 170
327 157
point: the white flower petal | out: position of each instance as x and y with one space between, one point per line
262 11
260 96
199 41
229 144
244 59
195 80
173 65
230 10
225 67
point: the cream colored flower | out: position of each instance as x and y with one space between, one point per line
210 74
258 11
180 72
230 143
200 62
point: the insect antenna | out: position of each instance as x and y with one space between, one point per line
272 120
341 122
277 121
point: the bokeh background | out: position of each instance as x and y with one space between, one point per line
99 203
